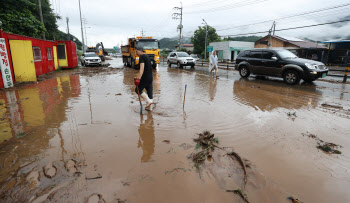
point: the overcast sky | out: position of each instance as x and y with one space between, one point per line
113 21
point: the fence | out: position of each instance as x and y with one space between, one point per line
226 64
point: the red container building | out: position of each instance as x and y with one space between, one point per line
30 57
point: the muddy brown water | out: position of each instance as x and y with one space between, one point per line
89 128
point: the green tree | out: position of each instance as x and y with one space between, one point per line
50 18
22 17
17 17
198 39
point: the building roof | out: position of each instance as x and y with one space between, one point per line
298 42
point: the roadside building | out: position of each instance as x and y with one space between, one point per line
24 58
188 47
229 50
337 51
301 48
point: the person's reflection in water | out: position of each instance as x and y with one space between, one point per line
147 138
212 88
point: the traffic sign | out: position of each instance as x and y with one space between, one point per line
210 48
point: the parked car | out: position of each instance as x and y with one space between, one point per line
279 63
90 59
180 59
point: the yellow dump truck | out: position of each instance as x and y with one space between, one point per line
150 46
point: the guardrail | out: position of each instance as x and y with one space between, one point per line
231 64
345 71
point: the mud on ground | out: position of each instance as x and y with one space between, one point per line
78 136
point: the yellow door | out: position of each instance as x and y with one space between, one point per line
23 60
55 57
62 55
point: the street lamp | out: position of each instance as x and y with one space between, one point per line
206 35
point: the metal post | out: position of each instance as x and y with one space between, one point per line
41 17
82 31
206 35
180 41
68 28
347 68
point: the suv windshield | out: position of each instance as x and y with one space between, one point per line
147 44
285 54
182 54
90 55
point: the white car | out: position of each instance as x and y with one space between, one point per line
180 59
90 58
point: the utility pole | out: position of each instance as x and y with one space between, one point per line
271 31
82 33
142 32
206 39
178 16
85 22
41 17
68 28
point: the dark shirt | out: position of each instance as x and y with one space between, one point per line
147 71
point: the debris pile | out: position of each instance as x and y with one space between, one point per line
327 147
206 142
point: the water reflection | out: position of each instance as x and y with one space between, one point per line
267 95
212 88
147 137
36 105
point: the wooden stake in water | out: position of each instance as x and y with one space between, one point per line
184 96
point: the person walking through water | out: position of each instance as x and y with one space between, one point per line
213 64
144 79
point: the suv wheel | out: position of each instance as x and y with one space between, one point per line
179 65
291 77
244 71
169 64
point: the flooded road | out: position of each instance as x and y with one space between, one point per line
78 136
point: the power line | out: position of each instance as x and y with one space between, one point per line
227 7
290 16
293 28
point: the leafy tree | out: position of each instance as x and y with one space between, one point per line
22 17
50 18
17 17
198 39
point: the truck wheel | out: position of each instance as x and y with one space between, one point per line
169 64
244 71
291 77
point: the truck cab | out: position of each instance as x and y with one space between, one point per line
150 46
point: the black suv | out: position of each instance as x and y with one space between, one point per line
279 63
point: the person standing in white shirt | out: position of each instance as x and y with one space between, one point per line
213 63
